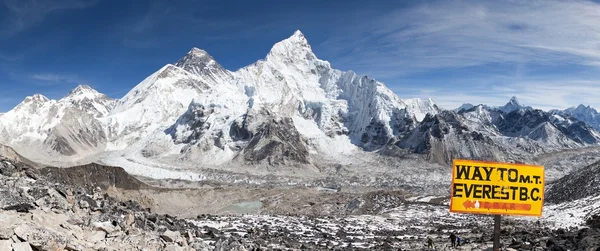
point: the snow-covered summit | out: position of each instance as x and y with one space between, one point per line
583 113
83 91
513 105
35 98
465 106
200 63
86 99
421 107
295 49
31 104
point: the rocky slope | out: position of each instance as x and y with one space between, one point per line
44 210
577 185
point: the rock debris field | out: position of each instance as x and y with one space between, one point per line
39 213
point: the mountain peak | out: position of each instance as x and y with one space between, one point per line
294 48
465 106
514 100
583 108
199 62
513 104
82 92
198 52
298 34
82 89
38 98
35 100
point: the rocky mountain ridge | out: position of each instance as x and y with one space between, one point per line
509 133
583 113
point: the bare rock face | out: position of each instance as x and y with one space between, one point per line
22 246
93 175
576 185
276 142
190 127
78 133
5 245
170 236
445 136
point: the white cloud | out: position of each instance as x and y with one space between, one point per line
58 78
546 53
450 34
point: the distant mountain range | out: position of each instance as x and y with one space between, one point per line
289 108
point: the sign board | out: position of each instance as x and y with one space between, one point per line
480 187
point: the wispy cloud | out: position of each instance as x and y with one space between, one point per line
53 78
23 14
542 94
454 34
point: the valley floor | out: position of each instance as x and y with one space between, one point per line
50 211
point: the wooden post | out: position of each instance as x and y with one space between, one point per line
497 219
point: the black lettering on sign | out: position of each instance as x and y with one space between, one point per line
462 172
535 197
501 170
505 194
494 192
477 191
525 179
488 172
514 192
523 194
486 192
477 174
458 190
468 190
513 175
537 179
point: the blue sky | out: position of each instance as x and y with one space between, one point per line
545 52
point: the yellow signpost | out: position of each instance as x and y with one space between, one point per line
480 187
497 188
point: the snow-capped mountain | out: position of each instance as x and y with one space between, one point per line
289 104
507 133
289 108
583 113
39 126
512 105
465 106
